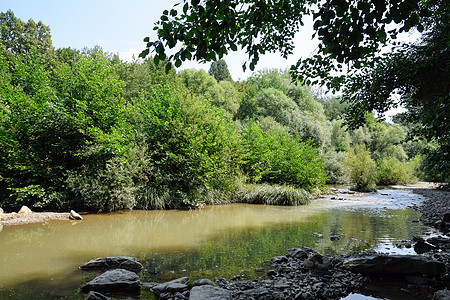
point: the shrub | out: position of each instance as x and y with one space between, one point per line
279 158
393 171
361 168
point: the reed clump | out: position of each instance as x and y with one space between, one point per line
273 195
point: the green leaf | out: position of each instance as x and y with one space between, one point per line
185 8
173 12
147 39
144 53
177 63
381 36
156 60
168 67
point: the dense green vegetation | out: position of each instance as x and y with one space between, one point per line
350 57
82 129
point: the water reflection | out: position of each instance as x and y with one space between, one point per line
215 241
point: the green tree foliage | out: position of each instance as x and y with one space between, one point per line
67 55
51 118
219 70
349 32
221 94
19 37
141 77
420 74
274 103
350 36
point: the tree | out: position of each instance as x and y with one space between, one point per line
419 75
348 31
19 37
350 34
219 70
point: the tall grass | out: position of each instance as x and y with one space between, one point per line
272 195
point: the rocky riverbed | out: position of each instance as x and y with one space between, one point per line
303 273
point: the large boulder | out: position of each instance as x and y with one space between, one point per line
114 281
208 292
75 216
113 262
174 286
25 210
396 264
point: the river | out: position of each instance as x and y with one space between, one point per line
40 261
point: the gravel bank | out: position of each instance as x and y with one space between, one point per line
437 203
35 217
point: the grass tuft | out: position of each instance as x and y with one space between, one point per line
272 195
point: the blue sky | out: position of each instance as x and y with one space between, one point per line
119 26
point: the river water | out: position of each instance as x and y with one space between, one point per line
40 261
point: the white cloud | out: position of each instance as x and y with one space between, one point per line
128 55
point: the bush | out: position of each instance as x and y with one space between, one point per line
361 168
272 195
393 171
279 158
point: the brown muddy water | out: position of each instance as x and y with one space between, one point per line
40 261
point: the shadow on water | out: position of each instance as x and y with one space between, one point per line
40 261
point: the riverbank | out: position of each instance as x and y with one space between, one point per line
8 219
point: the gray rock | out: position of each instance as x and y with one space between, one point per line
421 246
297 253
113 262
95 296
446 217
25 210
440 242
1 211
281 284
256 293
200 282
395 264
308 263
442 295
75 216
325 264
149 285
207 292
315 234
118 280
335 238
177 285
278 259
